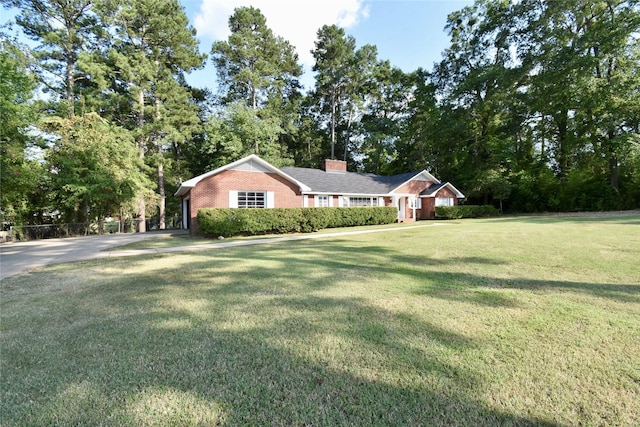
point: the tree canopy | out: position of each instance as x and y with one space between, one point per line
534 106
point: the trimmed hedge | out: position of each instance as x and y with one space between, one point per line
231 222
466 211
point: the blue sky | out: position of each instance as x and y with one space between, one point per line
408 33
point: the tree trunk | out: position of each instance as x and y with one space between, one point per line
70 84
333 123
346 142
162 221
162 202
142 226
563 150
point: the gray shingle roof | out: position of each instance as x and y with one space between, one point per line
432 188
347 182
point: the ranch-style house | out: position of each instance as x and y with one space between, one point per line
252 182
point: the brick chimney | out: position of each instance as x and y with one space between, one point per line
334 166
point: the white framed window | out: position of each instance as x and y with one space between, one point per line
251 199
321 201
363 201
415 203
444 201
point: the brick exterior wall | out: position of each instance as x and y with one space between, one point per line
213 192
428 210
413 187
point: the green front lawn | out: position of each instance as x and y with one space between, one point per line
532 320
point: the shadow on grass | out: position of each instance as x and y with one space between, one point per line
343 258
255 345
134 359
618 217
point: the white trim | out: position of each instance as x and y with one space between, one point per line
450 186
260 166
305 201
270 200
424 174
312 193
233 198
402 207
439 201
317 204
372 203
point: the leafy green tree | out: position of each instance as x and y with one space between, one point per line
586 84
254 65
260 70
384 113
346 79
20 172
334 54
479 82
95 168
418 146
238 132
63 29
154 46
532 86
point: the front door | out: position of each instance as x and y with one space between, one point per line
402 208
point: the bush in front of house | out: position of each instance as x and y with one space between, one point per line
231 222
466 211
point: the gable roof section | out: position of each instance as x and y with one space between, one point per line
251 163
434 188
318 181
420 176
346 183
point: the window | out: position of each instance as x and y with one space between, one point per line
415 203
322 202
363 201
252 199
444 201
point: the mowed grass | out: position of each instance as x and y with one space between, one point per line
509 321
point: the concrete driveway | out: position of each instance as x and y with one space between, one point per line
22 256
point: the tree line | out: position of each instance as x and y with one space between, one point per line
534 106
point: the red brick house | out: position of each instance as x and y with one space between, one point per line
254 183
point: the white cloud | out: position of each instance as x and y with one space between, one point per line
297 21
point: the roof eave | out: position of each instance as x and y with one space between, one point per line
182 190
188 185
423 172
451 187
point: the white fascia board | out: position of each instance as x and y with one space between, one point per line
270 167
423 173
189 184
450 186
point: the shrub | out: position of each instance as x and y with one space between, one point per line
231 222
466 211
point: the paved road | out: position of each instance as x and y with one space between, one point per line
22 256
